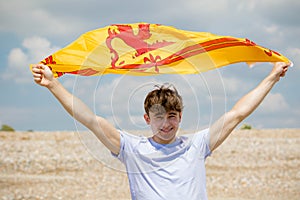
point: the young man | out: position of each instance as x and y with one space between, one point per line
163 166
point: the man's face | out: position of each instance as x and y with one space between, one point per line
164 125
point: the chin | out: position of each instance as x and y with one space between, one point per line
166 136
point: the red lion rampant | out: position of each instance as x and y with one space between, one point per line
136 41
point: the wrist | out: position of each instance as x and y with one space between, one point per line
274 77
53 84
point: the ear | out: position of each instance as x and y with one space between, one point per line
180 116
147 118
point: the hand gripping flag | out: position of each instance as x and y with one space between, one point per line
151 49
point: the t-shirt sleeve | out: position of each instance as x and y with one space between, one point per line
202 141
127 144
120 156
206 138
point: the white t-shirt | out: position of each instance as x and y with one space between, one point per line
173 171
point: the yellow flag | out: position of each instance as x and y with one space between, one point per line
152 49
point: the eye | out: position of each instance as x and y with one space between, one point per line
172 116
159 117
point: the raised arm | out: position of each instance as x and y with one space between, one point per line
220 130
103 130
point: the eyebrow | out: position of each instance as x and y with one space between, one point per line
173 113
162 114
158 114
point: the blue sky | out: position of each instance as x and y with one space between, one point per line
31 30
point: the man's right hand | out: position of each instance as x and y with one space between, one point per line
42 75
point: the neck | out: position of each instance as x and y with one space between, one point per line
162 141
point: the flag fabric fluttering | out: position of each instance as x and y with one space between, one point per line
152 49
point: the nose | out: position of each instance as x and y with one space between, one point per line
165 122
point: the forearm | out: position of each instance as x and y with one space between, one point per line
103 130
74 106
242 109
245 106
248 103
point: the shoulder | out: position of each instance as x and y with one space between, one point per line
130 141
200 141
131 137
199 135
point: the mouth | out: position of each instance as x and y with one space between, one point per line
168 130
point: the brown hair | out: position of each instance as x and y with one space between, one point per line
163 97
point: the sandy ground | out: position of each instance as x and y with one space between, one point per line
255 164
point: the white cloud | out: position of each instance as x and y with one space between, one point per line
273 24
17 58
124 95
32 50
206 6
26 17
271 29
122 98
138 121
16 71
294 53
273 103
243 6
117 98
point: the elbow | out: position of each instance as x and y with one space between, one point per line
89 121
237 115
